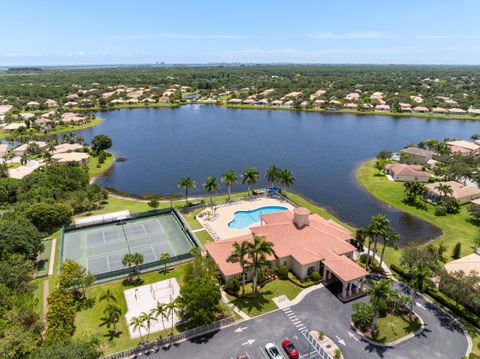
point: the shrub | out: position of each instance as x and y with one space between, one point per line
363 258
362 315
154 203
321 334
440 210
282 272
338 353
233 286
457 250
315 276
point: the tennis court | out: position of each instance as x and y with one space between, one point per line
100 248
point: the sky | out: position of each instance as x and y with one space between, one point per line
85 32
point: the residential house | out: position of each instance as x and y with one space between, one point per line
33 105
67 147
462 193
26 116
249 101
352 96
350 106
421 109
289 104
457 111
72 97
14 126
318 103
474 111
71 104
85 102
5 108
303 242
276 103
30 147
382 108
51 103
403 173
117 102
464 148
65 158
417 156
21 171
235 101
439 110
44 123
262 102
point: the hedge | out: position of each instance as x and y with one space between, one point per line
441 298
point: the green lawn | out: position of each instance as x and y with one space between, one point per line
456 228
204 237
89 320
263 302
93 167
391 328
44 259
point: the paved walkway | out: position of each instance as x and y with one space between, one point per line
233 307
51 261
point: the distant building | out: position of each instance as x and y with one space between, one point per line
404 173
463 194
417 156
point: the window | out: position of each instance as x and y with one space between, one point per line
310 270
284 263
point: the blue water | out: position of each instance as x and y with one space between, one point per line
243 219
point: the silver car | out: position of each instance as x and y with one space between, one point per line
273 352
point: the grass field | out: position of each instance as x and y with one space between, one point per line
95 170
456 228
89 320
393 327
263 303
44 259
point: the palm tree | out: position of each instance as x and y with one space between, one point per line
211 186
127 261
286 179
257 256
444 189
379 165
165 258
108 296
441 148
378 228
160 311
250 177
229 178
186 183
379 292
23 159
391 238
113 313
271 174
419 281
172 309
147 318
138 323
239 253
137 260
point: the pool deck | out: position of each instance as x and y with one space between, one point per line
217 222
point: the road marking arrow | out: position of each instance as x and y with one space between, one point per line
341 341
249 342
421 305
351 335
240 329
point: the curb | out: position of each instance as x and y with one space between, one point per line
394 343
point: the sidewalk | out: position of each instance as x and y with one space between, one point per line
233 307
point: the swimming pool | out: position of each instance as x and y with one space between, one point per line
243 219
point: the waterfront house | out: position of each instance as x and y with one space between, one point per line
117 102
67 147
302 241
421 109
382 108
376 96
318 103
44 123
26 116
78 158
235 101
457 111
463 194
289 104
474 111
350 106
464 148
276 103
72 97
352 96
249 101
293 94
416 156
85 102
403 173
467 264
304 104
405 107
132 101
262 102
334 105
439 110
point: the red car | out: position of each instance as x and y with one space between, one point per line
290 349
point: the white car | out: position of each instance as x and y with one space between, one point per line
273 351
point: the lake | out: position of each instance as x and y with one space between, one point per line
322 150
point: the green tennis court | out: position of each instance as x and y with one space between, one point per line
100 248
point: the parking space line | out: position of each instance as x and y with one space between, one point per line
263 352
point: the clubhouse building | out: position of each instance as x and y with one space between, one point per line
303 242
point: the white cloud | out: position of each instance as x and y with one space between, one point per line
353 35
176 36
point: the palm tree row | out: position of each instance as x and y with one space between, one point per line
252 256
133 259
161 312
250 177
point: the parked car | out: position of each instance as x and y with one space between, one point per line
272 351
290 349
243 356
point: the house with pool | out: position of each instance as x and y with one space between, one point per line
304 242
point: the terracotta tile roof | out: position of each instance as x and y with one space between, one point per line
458 189
321 240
